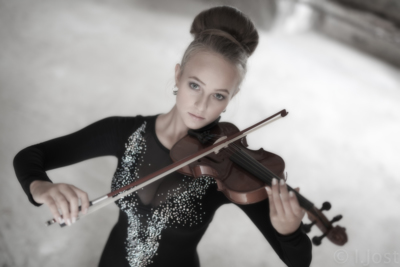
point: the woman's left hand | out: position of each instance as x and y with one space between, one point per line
285 211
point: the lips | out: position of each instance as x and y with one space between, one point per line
196 117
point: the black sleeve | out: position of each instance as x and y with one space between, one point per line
98 139
294 249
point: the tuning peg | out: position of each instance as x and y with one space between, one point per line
317 239
325 206
336 218
307 227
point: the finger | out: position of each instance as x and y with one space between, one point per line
63 204
272 208
298 213
295 206
73 200
53 208
83 196
285 198
276 197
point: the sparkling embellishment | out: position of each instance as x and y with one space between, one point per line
178 207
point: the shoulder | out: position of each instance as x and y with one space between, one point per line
125 124
120 121
127 119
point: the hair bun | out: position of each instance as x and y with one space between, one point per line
230 20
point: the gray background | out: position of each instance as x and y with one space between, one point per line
66 64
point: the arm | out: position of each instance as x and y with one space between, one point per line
287 239
98 139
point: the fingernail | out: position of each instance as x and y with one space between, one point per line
268 190
274 181
68 222
291 194
282 182
73 219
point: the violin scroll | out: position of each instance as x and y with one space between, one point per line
336 235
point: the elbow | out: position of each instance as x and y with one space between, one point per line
18 158
28 158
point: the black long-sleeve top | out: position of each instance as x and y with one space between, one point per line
161 224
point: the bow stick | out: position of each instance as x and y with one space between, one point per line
113 196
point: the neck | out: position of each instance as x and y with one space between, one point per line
170 128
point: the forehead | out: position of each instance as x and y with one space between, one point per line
212 69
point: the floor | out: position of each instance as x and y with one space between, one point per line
66 64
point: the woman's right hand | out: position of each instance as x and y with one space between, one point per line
60 197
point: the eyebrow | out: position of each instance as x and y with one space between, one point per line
200 81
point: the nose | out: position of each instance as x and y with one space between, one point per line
202 102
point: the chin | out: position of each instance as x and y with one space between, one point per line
194 125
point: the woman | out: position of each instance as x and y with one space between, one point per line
162 224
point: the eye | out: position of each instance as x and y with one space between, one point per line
194 86
219 97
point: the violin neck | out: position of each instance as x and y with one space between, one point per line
254 167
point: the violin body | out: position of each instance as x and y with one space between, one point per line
238 185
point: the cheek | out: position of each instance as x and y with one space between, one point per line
220 105
180 95
183 99
216 109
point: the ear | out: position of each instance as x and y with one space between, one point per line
177 73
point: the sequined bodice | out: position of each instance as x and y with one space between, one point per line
175 200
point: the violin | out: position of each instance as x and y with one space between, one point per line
220 150
242 174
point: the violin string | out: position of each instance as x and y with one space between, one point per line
233 149
304 202
264 172
259 170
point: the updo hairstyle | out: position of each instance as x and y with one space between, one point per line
226 31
